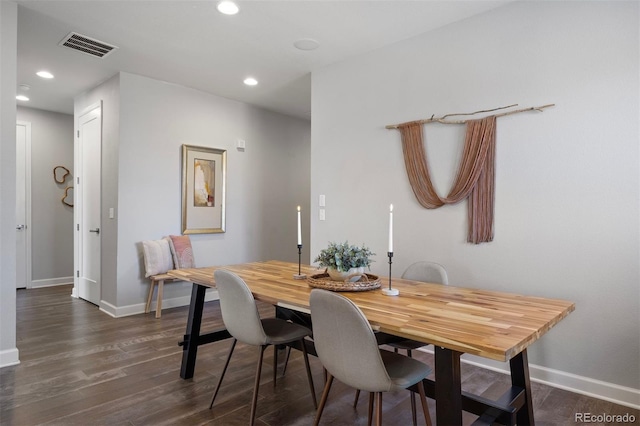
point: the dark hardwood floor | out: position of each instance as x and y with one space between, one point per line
81 367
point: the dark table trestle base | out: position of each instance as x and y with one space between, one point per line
515 406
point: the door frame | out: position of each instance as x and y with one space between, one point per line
27 199
78 199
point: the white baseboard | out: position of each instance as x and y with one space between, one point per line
9 357
108 309
124 311
621 395
50 282
611 392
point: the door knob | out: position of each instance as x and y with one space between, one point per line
20 227
97 230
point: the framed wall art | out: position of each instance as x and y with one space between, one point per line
204 173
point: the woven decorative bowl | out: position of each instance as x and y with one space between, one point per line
363 283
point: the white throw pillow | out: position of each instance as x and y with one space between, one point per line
157 257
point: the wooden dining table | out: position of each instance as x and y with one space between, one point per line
456 320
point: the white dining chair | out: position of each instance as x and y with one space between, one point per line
426 272
423 271
242 320
349 351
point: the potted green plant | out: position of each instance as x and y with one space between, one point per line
342 260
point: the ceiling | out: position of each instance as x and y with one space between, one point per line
191 44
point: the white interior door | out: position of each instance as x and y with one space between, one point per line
89 193
23 197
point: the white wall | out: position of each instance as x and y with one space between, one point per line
265 183
567 187
8 43
51 220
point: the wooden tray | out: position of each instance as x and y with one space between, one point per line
364 283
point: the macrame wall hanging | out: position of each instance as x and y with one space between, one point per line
476 173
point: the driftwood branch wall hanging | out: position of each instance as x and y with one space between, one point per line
475 178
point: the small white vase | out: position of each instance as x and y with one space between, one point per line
341 275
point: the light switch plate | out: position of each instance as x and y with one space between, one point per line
321 215
321 201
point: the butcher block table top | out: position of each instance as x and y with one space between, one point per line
489 324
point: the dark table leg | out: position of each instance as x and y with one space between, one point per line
448 387
296 317
520 378
190 346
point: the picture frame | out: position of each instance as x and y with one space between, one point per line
204 176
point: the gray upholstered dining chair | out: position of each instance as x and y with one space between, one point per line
348 349
426 272
242 320
423 271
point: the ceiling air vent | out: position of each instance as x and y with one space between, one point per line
87 45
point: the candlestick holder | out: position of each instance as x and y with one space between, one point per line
390 291
299 276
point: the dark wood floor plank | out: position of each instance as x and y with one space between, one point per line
80 366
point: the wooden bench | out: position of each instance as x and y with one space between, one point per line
159 281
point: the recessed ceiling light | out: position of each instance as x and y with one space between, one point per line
228 7
250 81
22 98
306 44
44 74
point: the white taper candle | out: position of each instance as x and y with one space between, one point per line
390 228
299 229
